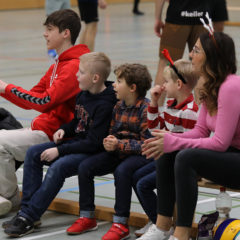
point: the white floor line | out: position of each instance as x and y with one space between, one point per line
55 233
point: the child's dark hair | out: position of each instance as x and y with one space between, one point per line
65 19
135 74
220 62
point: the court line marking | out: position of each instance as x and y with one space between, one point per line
55 233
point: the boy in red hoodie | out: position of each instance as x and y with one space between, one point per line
54 97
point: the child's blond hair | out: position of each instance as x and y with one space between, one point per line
184 67
98 63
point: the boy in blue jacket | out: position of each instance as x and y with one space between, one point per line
86 131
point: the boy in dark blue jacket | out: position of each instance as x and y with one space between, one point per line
93 111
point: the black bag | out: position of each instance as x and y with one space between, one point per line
8 121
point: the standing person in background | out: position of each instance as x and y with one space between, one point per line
135 8
89 15
53 96
181 157
183 26
54 5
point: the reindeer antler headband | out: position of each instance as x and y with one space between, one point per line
168 57
209 27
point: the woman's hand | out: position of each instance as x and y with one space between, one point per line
153 147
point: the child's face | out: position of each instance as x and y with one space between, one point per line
170 87
121 88
54 39
84 76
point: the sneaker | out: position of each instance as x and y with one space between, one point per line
20 227
154 233
5 206
82 225
142 230
116 232
8 223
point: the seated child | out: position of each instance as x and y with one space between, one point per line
179 114
123 152
93 111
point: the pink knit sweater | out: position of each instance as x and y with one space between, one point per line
225 125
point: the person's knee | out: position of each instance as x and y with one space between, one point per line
184 158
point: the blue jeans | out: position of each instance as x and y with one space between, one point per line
144 183
39 193
105 163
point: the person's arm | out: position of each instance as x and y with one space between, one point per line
154 118
98 129
227 120
159 24
41 97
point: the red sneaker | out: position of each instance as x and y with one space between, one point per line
116 232
82 225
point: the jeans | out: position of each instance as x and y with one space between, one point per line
105 163
39 193
144 183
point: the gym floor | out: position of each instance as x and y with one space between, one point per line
124 38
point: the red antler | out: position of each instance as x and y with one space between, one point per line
167 56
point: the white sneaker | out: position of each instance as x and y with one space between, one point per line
142 230
173 238
5 206
155 233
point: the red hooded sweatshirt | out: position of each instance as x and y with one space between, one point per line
54 95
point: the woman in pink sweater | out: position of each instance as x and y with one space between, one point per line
211 149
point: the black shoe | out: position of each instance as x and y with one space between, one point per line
137 12
8 223
20 227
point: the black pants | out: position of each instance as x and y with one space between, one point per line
177 178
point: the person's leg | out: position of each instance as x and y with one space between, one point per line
219 14
196 31
174 39
144 183
89 15
13 146
135 8
64 167
52 6
123 186
96 165
66 4
219 167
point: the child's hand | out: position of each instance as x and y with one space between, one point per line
49 154
58 136
156 93
110 143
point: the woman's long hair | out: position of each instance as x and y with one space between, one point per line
220 62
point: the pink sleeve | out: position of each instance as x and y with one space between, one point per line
226 123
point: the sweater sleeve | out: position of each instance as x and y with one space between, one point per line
43 98
154 118
94 140
226 124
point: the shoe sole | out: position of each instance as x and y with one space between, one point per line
76 233
5 207
18 235
35 224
